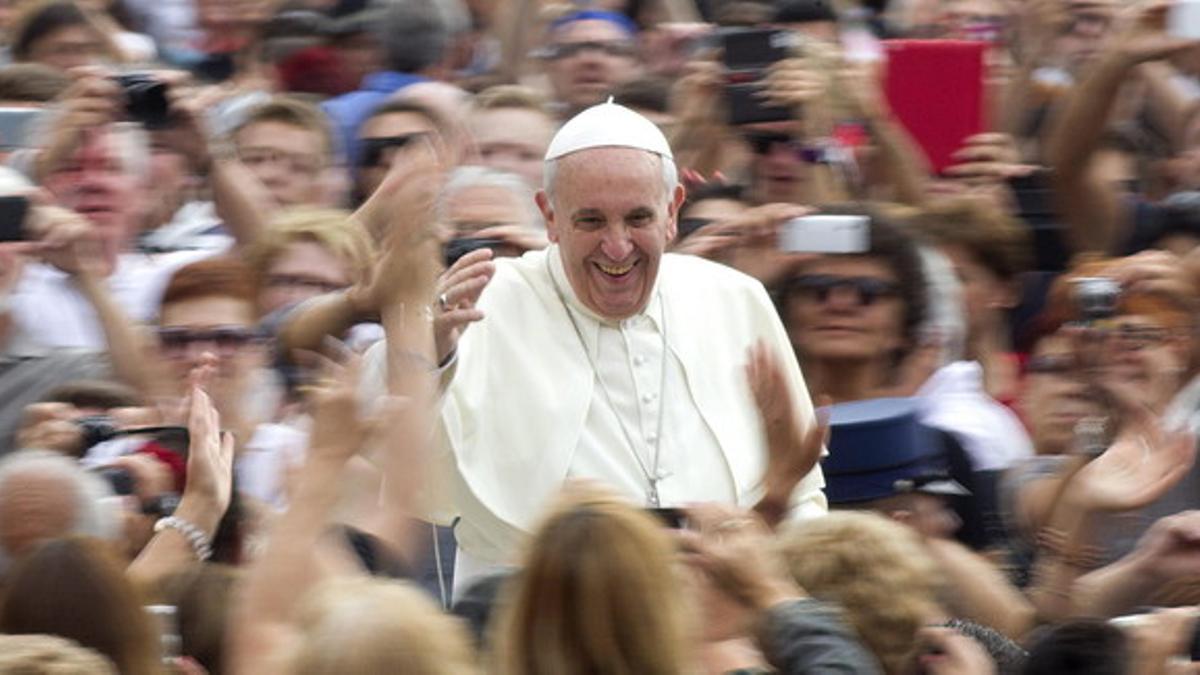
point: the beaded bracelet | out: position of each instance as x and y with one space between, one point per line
195 536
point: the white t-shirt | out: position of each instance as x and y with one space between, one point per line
49 310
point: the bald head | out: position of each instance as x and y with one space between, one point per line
44 495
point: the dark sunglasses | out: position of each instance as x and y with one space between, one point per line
566 50
1051 364
761 142
820 286
226 340
373 149
688 226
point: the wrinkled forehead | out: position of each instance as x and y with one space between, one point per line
594 168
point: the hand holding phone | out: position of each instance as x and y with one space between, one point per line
13 212
826 234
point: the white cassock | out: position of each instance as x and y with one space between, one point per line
526 410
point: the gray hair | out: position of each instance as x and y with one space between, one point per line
93 513
415 34
465 177
130 140
670 175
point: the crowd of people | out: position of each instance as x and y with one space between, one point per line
620 336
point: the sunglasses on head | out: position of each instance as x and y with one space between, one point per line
373 149
819 287
226 340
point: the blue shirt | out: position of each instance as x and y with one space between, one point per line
349 111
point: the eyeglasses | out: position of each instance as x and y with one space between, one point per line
227 340
297 162
374 149
820 287
301 281
565 50
1136 338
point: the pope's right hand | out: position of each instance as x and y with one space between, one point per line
458 289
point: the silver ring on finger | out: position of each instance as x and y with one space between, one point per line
443 303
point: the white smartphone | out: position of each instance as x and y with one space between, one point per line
826 234
1183 19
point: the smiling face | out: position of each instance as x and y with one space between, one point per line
612 217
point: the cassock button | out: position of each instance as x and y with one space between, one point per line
648 398
652 439
639 360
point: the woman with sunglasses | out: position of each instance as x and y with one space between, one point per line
854 319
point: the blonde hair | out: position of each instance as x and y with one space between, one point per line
364 626
332 229
50 655
504 96
598 594
876 569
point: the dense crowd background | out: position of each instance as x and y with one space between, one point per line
210 208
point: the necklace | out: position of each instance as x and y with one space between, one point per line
652 474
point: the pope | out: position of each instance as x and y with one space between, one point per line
602 357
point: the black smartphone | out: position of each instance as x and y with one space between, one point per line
13 210
673 518
457 248
746 55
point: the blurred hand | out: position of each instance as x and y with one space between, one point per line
1145 37
151 477
69 242
733 549
209 486
458 289
188 134
792 450
1170 549
1142 465
93 100
792 83
697 96
339 429
988 159
945 651
51 426
750 243
1162 642
1156 272
404 205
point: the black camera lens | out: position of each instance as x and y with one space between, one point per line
145 99
119 479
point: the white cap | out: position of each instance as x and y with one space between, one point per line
608 125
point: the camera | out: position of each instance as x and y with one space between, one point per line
747 54
145 99
1097 297
96 429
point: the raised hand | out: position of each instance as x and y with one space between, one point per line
92 101
1144 463
458 290
733 549
209 486
792 449
945 651
749 243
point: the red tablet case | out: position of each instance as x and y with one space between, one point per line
935 89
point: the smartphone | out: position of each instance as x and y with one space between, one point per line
17 126
13 210
826 234
457 248
1183 19
936 90
746 55
675 519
